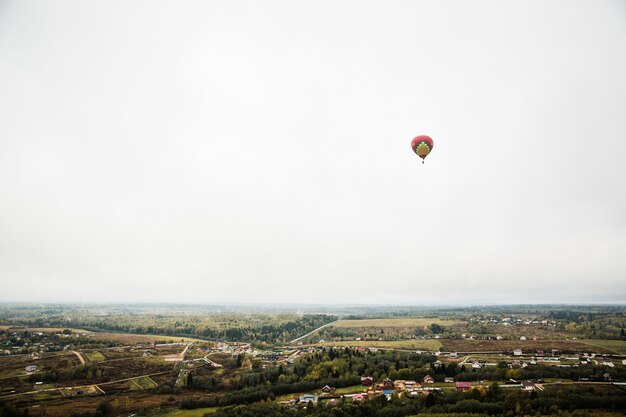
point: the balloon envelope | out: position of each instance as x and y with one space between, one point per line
422 145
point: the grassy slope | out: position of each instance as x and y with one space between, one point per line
618 346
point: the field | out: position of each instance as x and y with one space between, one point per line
12 366
617 346
142 383
130 338
93 356
393 322
198 412
427 344
461 345
349 390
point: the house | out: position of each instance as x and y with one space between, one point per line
359 397
528 386
454 355
463 386
517 352
31 368
437 364
402 385
367 381
607 377
328 390
498 337
522 338
386 384
411 385
477 365
308 397
448 379
539 352
399 384
429 379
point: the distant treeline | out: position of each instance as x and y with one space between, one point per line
258 328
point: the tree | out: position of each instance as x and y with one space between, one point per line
511 401
435 328
494 391
105 408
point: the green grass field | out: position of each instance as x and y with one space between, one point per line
349 390
198 412
44 386
395 322
430 345
618 346
93 356
142 383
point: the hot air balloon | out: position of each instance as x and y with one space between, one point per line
422 145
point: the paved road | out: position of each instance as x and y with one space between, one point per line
313 331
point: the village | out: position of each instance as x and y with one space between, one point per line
56 367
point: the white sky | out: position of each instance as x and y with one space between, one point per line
259 151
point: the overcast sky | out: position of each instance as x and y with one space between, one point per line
259 151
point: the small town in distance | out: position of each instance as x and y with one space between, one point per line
531 360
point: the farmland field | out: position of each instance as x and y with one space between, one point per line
461 345
394 322
349 390
142 383
198 412
93 356
618 346
132 338
429 345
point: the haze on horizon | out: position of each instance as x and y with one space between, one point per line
258 152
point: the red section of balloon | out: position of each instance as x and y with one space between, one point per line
421 138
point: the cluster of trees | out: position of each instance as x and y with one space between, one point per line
9 410
72 373
344 367
333 367
606 324
492 402
348 333
264 392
